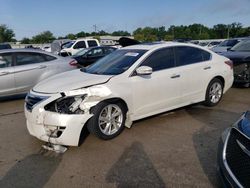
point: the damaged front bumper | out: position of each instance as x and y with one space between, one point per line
53 127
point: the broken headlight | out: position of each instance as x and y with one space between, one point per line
67 105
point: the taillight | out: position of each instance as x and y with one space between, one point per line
73 63
229 63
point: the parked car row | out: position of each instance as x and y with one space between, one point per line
226 44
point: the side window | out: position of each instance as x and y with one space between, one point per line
5 60
189 55
92 43
80 44
49 58
29 58
109 50
161 59
95 52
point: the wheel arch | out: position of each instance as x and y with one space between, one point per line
220 78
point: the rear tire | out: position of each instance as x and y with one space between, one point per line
214 92
108 120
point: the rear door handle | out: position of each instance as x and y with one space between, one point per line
175 76
42 67
206 68
4 73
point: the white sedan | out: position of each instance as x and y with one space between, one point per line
129 84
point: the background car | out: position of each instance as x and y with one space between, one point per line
21 69
88 56
234 153
225 45
74 46
240 55
129 84
5 46
210 44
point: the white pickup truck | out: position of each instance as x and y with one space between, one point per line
72 47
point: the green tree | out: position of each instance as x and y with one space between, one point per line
44 37
25 40
81 34
70 36
220 31
147 34
120 33
6 34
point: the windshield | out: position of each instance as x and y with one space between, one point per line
68 45
228 43
115 63
243 46
81 52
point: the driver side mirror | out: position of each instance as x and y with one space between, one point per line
144 70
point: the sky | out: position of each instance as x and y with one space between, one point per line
30 17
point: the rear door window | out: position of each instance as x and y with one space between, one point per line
161 59
187 55
49 57
26 58
80 44
109 50
5 60
95 52
92 43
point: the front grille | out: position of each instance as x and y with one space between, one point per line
237 159
32 100
239 68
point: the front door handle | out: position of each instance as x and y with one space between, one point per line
206 68
175 76
4 73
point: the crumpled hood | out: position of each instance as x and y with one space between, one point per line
69 81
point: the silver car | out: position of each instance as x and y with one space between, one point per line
21 69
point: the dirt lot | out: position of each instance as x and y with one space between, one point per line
172 149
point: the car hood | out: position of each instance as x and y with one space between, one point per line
219 49
237 56
69 81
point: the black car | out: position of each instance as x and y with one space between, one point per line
5 46
88 56
240 55
234 154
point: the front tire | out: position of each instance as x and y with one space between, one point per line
214 92
108 120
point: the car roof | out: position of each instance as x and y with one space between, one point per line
22 50
156 45
27 50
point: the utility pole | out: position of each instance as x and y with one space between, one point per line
95 28
228 31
